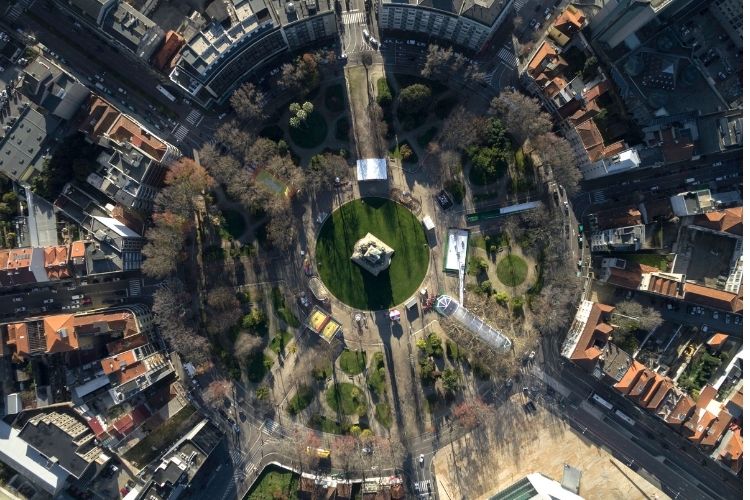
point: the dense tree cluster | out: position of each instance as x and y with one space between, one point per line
175 320
173 219
525 120
443 64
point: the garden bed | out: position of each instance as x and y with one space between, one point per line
312 133
163 436
353 362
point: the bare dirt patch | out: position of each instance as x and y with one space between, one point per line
488 460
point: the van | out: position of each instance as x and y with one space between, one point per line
690 180
76 297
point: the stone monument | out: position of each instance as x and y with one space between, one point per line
372 254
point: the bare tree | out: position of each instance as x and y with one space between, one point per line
224 309
557 153
185 180
443 64
471 412
460 129
245 345
281 231
635 315
248 102
324 169
234 136
163 250
300 76
217 391
522 115
171 316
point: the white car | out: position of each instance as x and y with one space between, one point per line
421 458
17 299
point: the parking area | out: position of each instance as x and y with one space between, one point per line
715 52
533 16
710 258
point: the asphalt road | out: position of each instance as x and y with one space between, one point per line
56 295
617 189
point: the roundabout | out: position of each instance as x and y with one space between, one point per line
390 223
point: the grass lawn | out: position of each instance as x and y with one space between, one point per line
310 134
383 414
274 482
376 374
280 340
234 223
335 98
282 310
165 435
391 223
258 365
325 424
346 398
648 259
273 132
301 399
353 362
512 270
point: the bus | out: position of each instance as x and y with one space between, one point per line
165 93
624 418
602 402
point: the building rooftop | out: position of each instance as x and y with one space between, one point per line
134 30
588 335
484 12
62 438
49 86
21 148
165 58
681 411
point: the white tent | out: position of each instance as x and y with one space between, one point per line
372 169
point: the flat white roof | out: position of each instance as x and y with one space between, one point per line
428 224
117 226
18 454
372 169
456 249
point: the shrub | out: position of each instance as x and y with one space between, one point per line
456 189
301 400
385 97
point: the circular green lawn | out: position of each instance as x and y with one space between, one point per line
310 134
391 223
512 270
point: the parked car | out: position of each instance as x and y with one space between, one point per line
17 299
444 200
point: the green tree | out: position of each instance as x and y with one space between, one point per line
262 393
415 99
450 380
486 287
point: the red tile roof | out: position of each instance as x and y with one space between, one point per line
681 411
676 149
536 65
717 340
710 297
708 393
697 425
587 351
728 220
660 394
643 384
78 250
631 376
717 429
732 452
164 58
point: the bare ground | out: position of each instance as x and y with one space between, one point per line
488 460
361 83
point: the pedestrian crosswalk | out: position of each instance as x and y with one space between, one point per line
194 117
519 4
134 287
507 56
180 133
353 17
423 487
599 197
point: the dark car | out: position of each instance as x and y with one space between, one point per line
444 200
121 292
